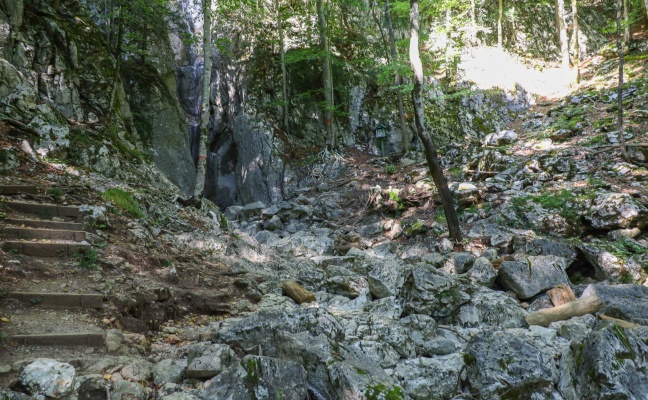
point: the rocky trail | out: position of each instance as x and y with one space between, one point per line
194 304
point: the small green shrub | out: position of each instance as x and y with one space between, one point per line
87 258
55 192
125 201
389 169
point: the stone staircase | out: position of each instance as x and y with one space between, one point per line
46 231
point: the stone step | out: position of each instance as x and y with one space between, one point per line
65 339
37 223
18 189
50 234
45 211
45 249
60 299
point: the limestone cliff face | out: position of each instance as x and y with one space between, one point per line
58 77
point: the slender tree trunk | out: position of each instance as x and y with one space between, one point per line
561 28
620 127
380 28
284 83
419 116
201 168
448 49
397 80
626 22
473 24
326 76
644 5
118 63
575 41
499 24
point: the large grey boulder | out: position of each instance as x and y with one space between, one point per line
610 363
482 272
128 390
48 378
627 302
169 371
271 378
616 210
386 278
490 308
532 275
544 247
430 378
514 363
431 292
608 266
208 360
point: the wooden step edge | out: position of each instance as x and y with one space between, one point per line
18 189
64 339
60 299
45 249
43 224
44 234
49 210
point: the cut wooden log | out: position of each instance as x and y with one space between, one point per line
18 189
621 322
297 292
73 339
561 294
576 308
60 299
40 224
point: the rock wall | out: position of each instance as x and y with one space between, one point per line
60 79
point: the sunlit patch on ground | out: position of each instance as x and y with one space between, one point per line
490 67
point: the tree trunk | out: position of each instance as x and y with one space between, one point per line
419 117
380 28
575 42
499 24
201 168
626 23
326 77
644 5
620 127
284 84
561 28
472 37
448 50
397 80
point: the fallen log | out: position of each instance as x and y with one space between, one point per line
297 292
621 322
576 308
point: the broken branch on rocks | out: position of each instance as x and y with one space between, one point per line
575 308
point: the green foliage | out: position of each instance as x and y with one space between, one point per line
389 169
393 195
382 392
55 192
562 201
87 258
125 201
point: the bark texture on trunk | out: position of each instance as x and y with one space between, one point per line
620 125
419 115
201 168
397 80
575 42
326 76
561 28
284 83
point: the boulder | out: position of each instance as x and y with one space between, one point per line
610 363
532 275
616 210
482 273
48 378
169 371
430 378
252 210
386 278
208 360
514 363
490 308
431 292
272 378
608 266
500 138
